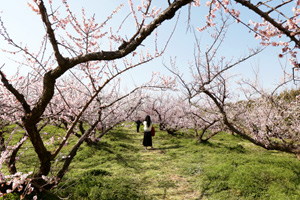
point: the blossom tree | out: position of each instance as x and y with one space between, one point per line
269 119
265 118
205 121
109 110
70 45
207 91
168 111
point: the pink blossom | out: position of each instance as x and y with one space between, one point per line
274 44
197 3
226 2
232 12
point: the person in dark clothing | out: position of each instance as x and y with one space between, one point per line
147 141
138 124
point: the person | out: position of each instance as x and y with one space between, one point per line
138 124
147 141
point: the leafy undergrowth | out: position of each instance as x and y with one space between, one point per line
226 167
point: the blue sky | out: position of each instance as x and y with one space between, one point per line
25 26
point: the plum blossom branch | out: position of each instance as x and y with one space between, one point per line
20 97
267 17
50 32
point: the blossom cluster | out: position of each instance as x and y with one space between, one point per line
19 181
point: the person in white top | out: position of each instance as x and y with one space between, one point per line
147 141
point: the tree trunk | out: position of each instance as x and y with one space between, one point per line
11 163
2 145
43 154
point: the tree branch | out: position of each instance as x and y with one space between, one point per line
20 97
267 17
43 11
135 41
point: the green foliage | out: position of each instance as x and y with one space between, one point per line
11 197
289 95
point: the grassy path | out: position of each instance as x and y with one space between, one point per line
163 179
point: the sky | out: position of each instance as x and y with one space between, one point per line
26 26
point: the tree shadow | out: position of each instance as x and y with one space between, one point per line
237 148
177 146
121 135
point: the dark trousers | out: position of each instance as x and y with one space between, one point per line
147 141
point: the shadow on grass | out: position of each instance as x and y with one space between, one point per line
121 135
237 148
177 146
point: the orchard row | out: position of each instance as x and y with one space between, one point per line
73 81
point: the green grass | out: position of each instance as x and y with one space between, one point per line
226 167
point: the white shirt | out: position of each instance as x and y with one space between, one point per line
146 128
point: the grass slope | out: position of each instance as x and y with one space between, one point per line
179 168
